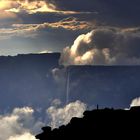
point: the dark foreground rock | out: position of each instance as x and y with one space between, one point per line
98 124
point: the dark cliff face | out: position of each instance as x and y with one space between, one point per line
96 124
108 86
26 80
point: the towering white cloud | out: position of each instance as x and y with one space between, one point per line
19 125
135 102
104 45
62 116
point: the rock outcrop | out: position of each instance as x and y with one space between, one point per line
97 124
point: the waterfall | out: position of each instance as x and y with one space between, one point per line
67 86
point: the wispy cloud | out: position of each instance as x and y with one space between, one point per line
7 33
70 23
30 30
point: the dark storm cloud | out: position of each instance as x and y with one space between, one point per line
110 12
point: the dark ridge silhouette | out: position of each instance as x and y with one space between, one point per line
96 124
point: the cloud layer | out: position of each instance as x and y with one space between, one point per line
31 30
104 45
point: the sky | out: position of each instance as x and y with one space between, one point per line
84 32
37 26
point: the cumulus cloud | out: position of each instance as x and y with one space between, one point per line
56 102
104 45
135 102
18 125
62 116
59 75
